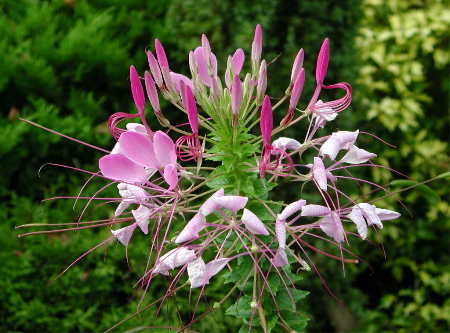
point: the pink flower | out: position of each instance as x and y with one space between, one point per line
285 144
130 194
161 55
154 68
280 259
330 223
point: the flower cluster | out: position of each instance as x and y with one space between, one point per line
219 173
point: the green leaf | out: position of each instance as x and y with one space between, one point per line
241 308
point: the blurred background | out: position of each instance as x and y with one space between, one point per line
64 64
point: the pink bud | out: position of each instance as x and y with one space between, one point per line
161 54
237 61
154 68
266 121
236 95
137 90
297 90
322 62
191 108
152 93
257 45
262 81
298 64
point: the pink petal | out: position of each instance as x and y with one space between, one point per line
357 155
154 68
332 226
142 217
177 79
164 149
215 266
124 235
338 141
322 62
291 209
152 93
202 67
132 192
118 167
286 144
192 228
357 218
370 214
231 202
253 223
386 214
280 232
137 90
161 54
319 173
123 205
315 210
236 95
237 61
280 259
298 64
209 206
191 108
135 127
266 120
138 148
171 176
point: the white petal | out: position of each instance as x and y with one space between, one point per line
231 202
280 232
197 273
280 258
319 173
192 228
386 214
253 223
142 217
209 206
357 155
215 266
284 143
357 218
174 258
124 235
291 209
315 210
338 141
332 226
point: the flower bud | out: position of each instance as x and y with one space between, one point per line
298 64
154 68
256 47
322 62
262 82
236 95
161 55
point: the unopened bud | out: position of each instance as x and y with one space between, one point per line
253 304
262 82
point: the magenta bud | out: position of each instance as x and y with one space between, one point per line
298 64
152 93
236 95
266 121
237 61
154 68
161 54
191 108
206 46
322 62
257 45
137 90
